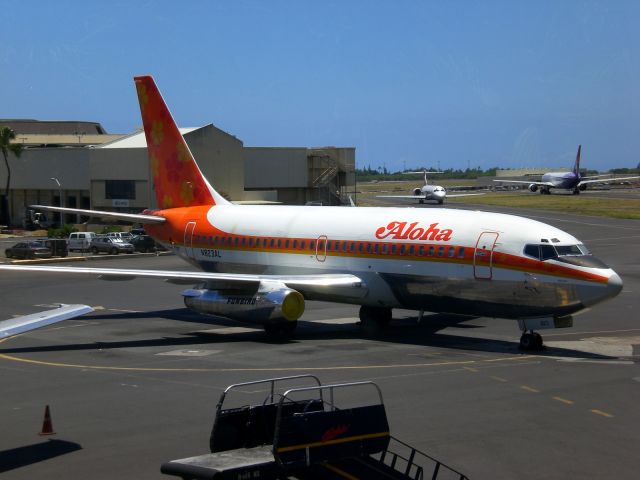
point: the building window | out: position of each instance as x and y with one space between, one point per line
120 189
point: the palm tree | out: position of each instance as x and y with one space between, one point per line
6 135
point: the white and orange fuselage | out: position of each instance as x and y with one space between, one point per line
437 259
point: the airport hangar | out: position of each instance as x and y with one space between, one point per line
97 170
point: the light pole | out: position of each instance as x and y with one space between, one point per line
61 202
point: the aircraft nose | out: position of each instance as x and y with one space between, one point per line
614 285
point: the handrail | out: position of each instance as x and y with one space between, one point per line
272 381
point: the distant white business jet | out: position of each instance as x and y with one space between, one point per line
429 192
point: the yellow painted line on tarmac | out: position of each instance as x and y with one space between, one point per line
499 379
601 413
470 369
590 333
263 369
563 400
529 389
124 311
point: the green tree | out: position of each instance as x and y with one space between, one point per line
6 135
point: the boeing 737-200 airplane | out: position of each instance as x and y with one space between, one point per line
260 263
572 180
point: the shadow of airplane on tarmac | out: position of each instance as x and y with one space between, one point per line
38 452
428 333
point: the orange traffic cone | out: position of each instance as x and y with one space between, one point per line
47 427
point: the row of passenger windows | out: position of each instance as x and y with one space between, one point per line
333 246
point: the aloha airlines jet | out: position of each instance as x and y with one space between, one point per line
260 263
572 180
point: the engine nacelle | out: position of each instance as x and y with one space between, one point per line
268 304
533 187
417 191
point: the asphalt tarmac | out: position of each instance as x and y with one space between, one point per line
135 384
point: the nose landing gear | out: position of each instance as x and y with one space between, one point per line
531 341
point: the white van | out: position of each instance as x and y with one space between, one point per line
80 241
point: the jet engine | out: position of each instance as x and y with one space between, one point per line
417 191
533 187
269 304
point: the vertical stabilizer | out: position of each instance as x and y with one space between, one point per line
576 166
177 180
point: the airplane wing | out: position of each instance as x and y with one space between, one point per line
607 180
130 217
453 195
345 284
526 182
414 197
15 326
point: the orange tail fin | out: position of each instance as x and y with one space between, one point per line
177 180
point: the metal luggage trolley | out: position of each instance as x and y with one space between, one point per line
302 433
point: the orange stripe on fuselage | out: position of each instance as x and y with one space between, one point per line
173 231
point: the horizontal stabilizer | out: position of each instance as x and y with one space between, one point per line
129 217
15 326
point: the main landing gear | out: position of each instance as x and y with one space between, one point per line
531 341
374 320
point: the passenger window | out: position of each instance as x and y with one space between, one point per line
360 247
385 248
295 244
452 252
411 250
368 248
431 250
344 246
440 251
375 248
393 249
402 249
461 252
272 243
312 245
421 250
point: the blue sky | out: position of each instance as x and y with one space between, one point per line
408 83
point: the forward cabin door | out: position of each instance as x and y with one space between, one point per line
321 248
483 255
188 238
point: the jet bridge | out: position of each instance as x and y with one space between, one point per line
304 432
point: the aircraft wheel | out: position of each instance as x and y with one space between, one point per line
531 341
374 320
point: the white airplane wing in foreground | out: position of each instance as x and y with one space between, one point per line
345 284
15 326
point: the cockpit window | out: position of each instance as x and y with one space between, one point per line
572 254
547 252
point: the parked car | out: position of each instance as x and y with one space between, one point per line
145 244
31 249
138 231
80 241
110 245
126 236
58 246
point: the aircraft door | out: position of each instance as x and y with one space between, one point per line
483 255
321 248
188 238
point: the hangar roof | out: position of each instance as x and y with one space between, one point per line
138 140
